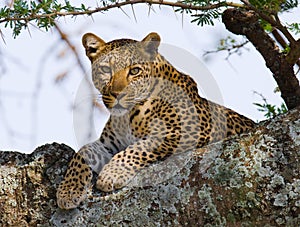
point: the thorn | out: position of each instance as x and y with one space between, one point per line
149 10
92 18
2 36
182 18
28 30
175 13
124 12
133 13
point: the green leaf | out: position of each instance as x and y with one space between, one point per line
269 109
294 27
287 5
268 27
206 18
259 105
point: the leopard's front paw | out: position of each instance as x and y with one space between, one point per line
73 189
114 176
70 195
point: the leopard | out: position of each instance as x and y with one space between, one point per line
155 111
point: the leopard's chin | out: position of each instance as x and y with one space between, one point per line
118 110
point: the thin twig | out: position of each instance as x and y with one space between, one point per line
65 38
231 50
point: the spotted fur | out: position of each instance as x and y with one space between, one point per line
156 111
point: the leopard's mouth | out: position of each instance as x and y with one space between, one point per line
118 110
118 106
114 106
112 102
121 102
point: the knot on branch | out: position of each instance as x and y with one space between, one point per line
238 21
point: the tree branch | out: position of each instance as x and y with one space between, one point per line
65 38
247 180
246 23
120 4
294 54
272 19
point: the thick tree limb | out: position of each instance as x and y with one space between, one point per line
295 52
248 180
272 19
246 23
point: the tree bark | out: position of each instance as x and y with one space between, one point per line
247 180
281 65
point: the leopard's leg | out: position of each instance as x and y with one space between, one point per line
77 181
125 164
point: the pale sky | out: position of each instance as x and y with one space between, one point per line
35 110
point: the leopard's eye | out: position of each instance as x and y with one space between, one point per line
105 69
134 71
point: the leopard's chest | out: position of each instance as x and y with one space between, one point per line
141 118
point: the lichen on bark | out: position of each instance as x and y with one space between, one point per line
247 180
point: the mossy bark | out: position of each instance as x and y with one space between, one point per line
247 180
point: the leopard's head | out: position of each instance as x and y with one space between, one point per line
121 69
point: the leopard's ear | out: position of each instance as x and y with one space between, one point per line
151 43
92 45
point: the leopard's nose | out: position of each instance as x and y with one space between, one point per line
115 94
